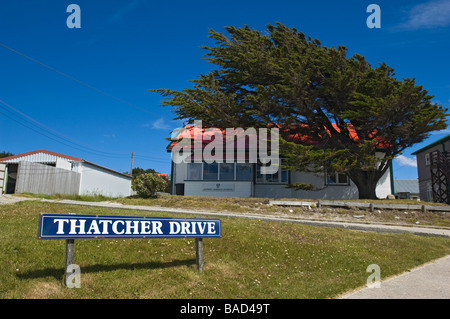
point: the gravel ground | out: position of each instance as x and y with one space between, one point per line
8 199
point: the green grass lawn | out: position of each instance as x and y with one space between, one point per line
253 259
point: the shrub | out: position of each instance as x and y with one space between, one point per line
147 185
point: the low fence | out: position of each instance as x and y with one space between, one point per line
44 179
370 206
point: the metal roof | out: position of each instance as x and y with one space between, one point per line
406 185
440 141
41 156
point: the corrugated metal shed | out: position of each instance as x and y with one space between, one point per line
39 156
406 186
26 175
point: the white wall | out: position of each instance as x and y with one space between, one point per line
317 180
60 163
338 192
384 185
3 172
95 180
218 188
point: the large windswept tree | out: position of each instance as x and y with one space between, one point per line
334 112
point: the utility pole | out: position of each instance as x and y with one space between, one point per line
131 168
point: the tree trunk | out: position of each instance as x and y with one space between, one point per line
366 181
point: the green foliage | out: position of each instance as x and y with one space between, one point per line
5 154
342 110
302 186
148 184
139 171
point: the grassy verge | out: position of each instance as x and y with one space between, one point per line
253 259
262 206
86 198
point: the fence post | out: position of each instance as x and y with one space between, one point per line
199 253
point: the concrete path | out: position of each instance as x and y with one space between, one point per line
429 281
8 199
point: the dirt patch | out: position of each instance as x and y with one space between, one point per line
43 290
386 216
8 199
263 206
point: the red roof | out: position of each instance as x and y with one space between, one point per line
353 135
293 137
41 151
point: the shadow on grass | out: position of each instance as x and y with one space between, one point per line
58 273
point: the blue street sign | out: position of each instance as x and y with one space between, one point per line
69 226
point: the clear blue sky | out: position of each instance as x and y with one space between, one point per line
88 86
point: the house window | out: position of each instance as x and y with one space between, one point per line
219 171
243 171
333 178
273 178
284 176
279 177
427 159
194 171
226 171
210 171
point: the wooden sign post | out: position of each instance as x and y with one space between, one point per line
199 254
70 257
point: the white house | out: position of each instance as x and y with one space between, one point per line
246 180
47 172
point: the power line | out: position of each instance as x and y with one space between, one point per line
54 132
76 80
46 131
43 134
61 136
50 131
